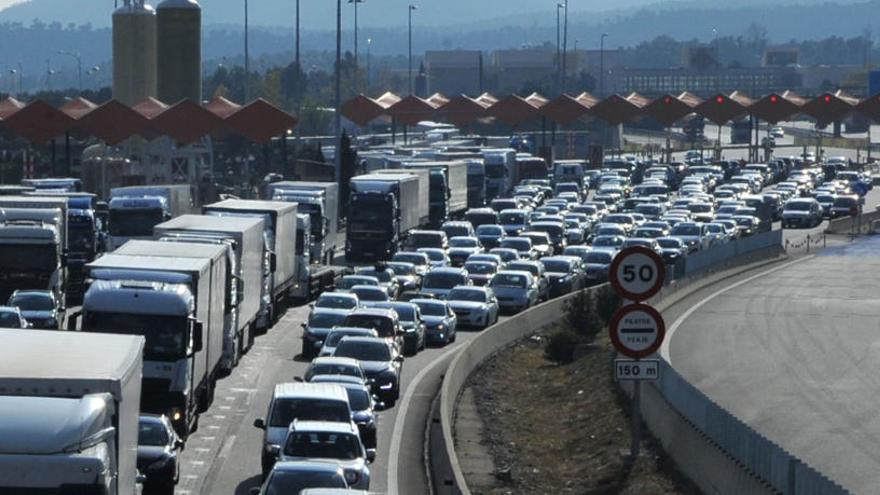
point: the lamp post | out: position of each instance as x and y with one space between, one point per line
247 57
410 11
602 64
355 3
298 66
559 7
564 46
369 45
78 58
338 107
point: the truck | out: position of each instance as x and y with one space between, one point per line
69 425
531 167
382 209
33 245
55 184
135 210
279 237
476 183
319 200
447 189
176 303
501 172
570 171
249 267
312 277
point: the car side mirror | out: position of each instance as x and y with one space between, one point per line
73 320
179 444
273 262
304 325
371 456
312 305
298 379
140 478
260 423
197 335
399 359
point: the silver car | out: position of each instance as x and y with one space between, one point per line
474 306
330 440
515 290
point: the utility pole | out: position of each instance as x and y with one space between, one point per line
298 66
369 45
602 65
564 47
79 69
559 7
247 57
356 2
338 112
411 88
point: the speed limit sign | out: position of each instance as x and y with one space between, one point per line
637 273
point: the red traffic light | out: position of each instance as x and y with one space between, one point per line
827 98
667 100
774 98
719 99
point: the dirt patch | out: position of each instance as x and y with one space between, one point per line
562 429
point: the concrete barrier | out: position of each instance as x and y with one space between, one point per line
861 224
447 475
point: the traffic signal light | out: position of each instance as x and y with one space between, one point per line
719 99
774 99
827 98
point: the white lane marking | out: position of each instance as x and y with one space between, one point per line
667 342
400 419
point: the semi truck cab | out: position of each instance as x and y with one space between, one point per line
135 217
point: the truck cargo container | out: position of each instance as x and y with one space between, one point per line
70 405
313 278
319 200
447 190
501 172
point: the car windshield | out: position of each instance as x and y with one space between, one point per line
689 230
467 295
518 244
322 445
152 433
414 258
840 202
440 280
326 320
426 240
479 268
285 411
746 222
381 324
512 218
383 276
556 266
798 206
370 294
608 241
358 398
490 230
700 208
430 308
335 336
435 255
509 280
525 267
598 257
405 312
456 231
335 302
363 351
32 302
669 243
333 369
402 269
350 281
464 242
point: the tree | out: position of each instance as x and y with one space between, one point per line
580 315
607 303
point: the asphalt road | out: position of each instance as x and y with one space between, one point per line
792 354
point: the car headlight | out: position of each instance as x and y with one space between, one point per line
352 477
273 449
409 330
387 386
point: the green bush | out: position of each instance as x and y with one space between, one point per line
560 346
580 316
607 303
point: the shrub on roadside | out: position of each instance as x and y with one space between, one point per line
580 316
607 303
560 346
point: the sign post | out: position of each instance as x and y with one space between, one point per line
637 330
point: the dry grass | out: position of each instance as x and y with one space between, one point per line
563 429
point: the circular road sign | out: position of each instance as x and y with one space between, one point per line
637 273
637 330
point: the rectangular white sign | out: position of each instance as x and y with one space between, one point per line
631 369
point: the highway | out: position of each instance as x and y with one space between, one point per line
791 352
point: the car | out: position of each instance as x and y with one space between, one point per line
158 453
381 362
329 365
363 406
777 132
515 290
347 282
338 333
413 327
612 242
321 321
844 206
826 201
10 317
506 254
746 224
623 219
421 260
647 243
457 229
440 321
39 307
717 233
801 212
385 322
565 274
330 440
536 268
298 401
479 272
556 231
541 243
426 239
474 306
406 275
461 247
522 246
596 265
490 235
437 257
702 212
481 216
693 234
369 294
672 249
336 300
440 281
295 477
385 276
514 221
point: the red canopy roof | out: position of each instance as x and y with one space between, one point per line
186 122
565 109
830 107
722 108
222 107
870 107
150 108
412 110
463 110
9 106
38 122
362 109
260 121
669 109
514 110
777 107
113 122
618 109
78 107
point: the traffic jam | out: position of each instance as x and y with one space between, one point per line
170 294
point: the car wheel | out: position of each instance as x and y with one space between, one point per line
308 351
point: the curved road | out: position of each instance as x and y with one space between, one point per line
793 353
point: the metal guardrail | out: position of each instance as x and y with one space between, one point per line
757 454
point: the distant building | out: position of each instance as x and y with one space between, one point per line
781 56
818 78
453 72
516 68
751 80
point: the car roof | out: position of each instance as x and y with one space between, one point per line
347 295
365 340
323 426
388 313
151 418
310 466
9 309
37 292
346 381
448 270
338 361
296 390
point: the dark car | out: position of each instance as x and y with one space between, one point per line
381 363
490 235
385 322
411 321
672 249
565 273
844 206
157 453
440 321
479 272
596 265
406 275
11 318
38 307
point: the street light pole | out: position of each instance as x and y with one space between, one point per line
369 45
411 89
337 113
602 65
558 48
78 59
356 2
298 66
247 57
564 47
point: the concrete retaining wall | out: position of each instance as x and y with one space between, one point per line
853 225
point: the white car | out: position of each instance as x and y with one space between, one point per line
474 306
777 132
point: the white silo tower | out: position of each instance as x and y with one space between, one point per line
179 50
134 52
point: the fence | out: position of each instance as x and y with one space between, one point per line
701 260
